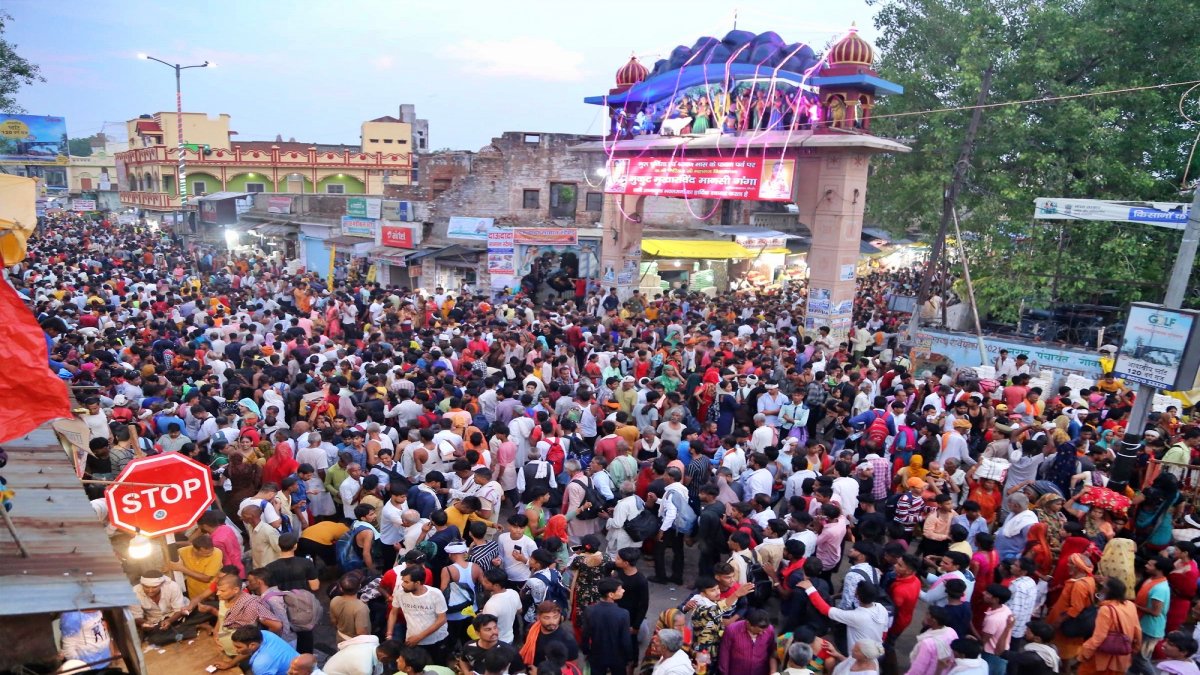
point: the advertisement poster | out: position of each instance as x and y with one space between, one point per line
363 207
397 236
545 236
963 350
1152 349
846 272
33 139
279 204
471 229
83 204
358 227
747 178
501 254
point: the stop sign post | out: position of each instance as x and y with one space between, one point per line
159 495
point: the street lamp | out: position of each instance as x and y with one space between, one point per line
182 180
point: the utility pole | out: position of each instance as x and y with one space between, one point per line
1177 285
950 200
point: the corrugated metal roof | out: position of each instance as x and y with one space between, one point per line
72 564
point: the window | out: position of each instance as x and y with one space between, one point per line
256 187
595 201
401 141
335 189
533 139
530 199
372 140
387 140
562 200
168 184
199 188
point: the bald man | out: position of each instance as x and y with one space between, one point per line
305 664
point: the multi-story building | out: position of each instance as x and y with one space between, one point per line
95 176
215 161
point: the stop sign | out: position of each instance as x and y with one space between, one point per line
159 495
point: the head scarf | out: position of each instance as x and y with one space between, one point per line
916 483
556 527
916 467
1081 562
281 465
250 405
870 649
1054 522
1039 548
1117 560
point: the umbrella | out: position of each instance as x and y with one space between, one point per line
1104 498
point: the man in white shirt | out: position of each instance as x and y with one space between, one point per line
391 523
845 488
770 403
349 488
515 549
759 480
503 603
764 435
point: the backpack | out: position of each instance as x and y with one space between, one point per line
685 517
304 611
889 506
459 596
347 553
908 435
556 592
556 455
643 526
757 575
589 495
755 531
884 600
877 431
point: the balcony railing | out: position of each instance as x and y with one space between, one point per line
150 199
276 157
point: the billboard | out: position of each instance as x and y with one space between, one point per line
279 204
471 229
1164 214
363 207
33 139
83 204
1154 350
745 178
545 236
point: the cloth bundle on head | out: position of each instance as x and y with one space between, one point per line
961 423
1081 561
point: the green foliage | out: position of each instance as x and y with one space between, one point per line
80 147
1123 146
15 71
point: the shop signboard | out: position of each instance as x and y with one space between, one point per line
745 178
1154 350
501 253
545 236
364 207
279 204
358 227
1164 214
756 243
83 204
397 236
963 350
470 229
33 139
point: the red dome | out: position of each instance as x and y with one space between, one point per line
851 50
631 73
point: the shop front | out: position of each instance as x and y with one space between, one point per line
397 243
699 264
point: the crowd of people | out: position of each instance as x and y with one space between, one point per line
477 483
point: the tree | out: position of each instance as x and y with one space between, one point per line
15 71
1122 146
80 147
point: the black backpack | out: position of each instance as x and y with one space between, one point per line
757 575
589 495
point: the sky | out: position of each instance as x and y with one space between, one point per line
316 70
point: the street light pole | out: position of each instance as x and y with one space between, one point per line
182 170
1181 272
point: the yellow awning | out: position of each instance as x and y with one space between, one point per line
781 251
695 248
18 215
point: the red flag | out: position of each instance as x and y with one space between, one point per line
32 394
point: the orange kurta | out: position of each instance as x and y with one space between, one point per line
1076 596
1117 616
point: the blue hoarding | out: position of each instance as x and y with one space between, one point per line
33 139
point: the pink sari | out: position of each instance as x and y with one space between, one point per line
983 564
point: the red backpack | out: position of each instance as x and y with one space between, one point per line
877 431
556 455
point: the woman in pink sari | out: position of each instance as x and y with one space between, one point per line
983 566
333 326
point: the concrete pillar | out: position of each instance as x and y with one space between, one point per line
830 201
621 247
